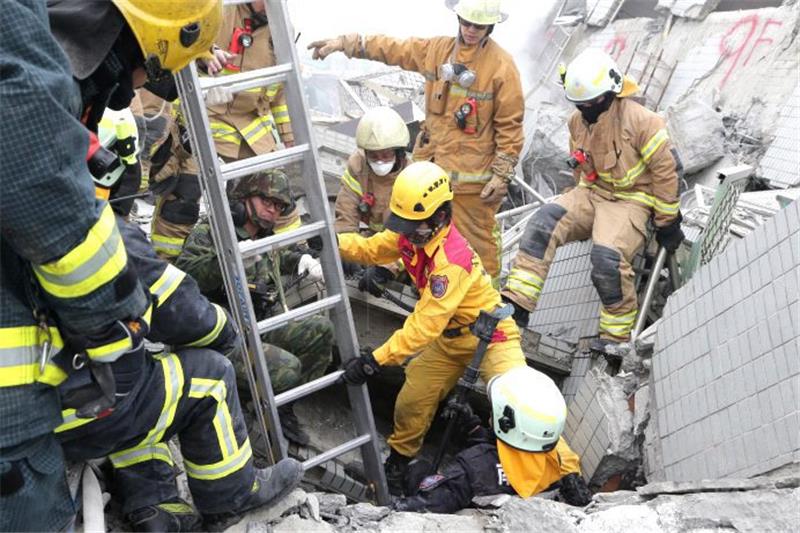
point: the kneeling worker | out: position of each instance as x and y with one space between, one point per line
454 287
520 454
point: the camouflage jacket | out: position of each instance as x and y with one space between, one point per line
199 260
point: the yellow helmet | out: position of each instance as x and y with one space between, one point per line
419 190
381 128
172 34
484 12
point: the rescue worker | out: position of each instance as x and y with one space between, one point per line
518 455
474 110
362 204
626 174
113 48
65 273
454 288
252 122
298 352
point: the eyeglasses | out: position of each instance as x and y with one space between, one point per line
272 203
467 24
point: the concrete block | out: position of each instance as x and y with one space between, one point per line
790 351
789 396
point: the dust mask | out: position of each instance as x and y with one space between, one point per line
382 168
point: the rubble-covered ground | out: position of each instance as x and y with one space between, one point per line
770 503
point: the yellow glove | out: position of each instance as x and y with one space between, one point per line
494 191
326 47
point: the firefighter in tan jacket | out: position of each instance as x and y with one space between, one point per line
362 204
626 174
474 106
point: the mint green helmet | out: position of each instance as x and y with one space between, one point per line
528 410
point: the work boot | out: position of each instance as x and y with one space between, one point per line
271 484
291 427
574 490
396 467
174 515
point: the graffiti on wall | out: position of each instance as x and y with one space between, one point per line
742 39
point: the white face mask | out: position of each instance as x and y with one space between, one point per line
383 167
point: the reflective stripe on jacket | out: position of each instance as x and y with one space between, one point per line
631 152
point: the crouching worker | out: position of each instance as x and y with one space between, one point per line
454 287
520 454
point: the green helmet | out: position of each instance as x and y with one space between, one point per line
269 184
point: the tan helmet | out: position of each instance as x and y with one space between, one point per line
381 128
483 12
592 73
172 33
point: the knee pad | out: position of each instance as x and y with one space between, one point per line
605 274
185 208
540 229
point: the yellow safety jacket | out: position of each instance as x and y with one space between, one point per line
259 116
630 150
453 287
470 158
358 181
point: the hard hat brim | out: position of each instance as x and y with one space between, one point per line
401 225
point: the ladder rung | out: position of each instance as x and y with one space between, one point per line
251 165
301 391
297 314
235 2
259 246
248 80
337 451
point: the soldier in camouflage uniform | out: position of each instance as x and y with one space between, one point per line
262 205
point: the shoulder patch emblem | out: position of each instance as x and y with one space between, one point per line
438 285
431 482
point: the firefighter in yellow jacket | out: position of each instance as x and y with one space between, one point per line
626 172
454 287
474 106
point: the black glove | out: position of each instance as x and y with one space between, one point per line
521 315
374 279
264 298
455 408
671 236
358 369
351 270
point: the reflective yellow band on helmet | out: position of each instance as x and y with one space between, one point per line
167 283
654 144
280 113
212 335
96 261
20 352
171 246
223 423
525 283
222 468
291 226
352 183
141 454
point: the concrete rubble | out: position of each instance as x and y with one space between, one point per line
744 505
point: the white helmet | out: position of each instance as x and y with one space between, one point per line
591 74
381 128
528 410
484 12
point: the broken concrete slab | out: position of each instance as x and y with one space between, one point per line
652 490
697 133
364 513
518 515
330 503
689 9
430 523
622 519
295 523
288 505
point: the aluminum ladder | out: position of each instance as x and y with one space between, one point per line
213 176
